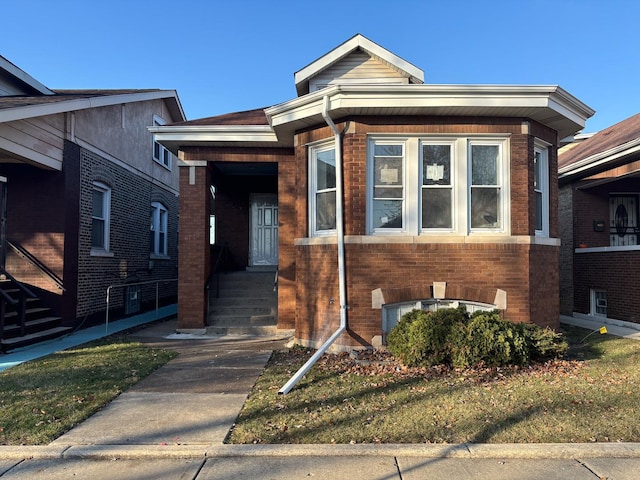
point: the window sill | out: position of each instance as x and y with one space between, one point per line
166 167
98 252
628 248
420 239
155 256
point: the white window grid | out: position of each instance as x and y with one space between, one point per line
460 181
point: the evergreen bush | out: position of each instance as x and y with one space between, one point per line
452 336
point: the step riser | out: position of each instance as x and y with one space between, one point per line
32 326
256 331
242 310
39 326
232 321
243 304
244 293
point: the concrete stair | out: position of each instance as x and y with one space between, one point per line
247 304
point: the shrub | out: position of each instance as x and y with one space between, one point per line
543 343
421 338
451 336
491 340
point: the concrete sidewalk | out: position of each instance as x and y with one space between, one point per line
174 422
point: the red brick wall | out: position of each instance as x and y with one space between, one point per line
194 258
528 273
35 218
232 218
309 296
521 270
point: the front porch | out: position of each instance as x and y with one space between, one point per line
245 205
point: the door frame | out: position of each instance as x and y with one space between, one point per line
253 198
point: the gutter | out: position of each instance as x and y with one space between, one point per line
341 268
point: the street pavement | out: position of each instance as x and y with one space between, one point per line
172 425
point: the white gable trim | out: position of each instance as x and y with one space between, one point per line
23 76
358 41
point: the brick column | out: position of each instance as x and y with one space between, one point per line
194 251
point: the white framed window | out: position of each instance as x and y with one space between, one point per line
486 197
437 200
387 212
598 302
438 185
158 237
160 154
322 204
541 188
100 217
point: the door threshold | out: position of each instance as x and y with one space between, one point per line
262 268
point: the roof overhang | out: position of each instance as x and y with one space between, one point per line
23 77
74 104
600 161
175 136
550 105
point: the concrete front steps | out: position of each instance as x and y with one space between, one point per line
247 304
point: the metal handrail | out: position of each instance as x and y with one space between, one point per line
218 266
20 286
22 310
122 285
27 255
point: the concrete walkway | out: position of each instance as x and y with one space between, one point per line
173 424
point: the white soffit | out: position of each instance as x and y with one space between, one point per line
547 104
175 136
358 41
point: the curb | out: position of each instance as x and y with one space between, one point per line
464 450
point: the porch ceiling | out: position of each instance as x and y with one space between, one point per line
247 168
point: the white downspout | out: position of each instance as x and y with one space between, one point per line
341 270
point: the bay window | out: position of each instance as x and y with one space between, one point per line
438 185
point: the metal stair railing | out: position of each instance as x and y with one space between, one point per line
33 260
24 294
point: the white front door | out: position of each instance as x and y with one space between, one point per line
264 230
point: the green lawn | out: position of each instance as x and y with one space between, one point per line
44 398
592 396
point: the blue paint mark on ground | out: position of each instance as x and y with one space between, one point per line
32 352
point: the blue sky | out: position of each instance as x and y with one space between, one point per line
230 55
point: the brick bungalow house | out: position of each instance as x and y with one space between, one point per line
83 182
377 193
599 184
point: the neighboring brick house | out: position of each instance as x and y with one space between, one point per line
85 182
380 194
599 182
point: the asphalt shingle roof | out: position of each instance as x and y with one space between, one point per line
247 117
611 137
